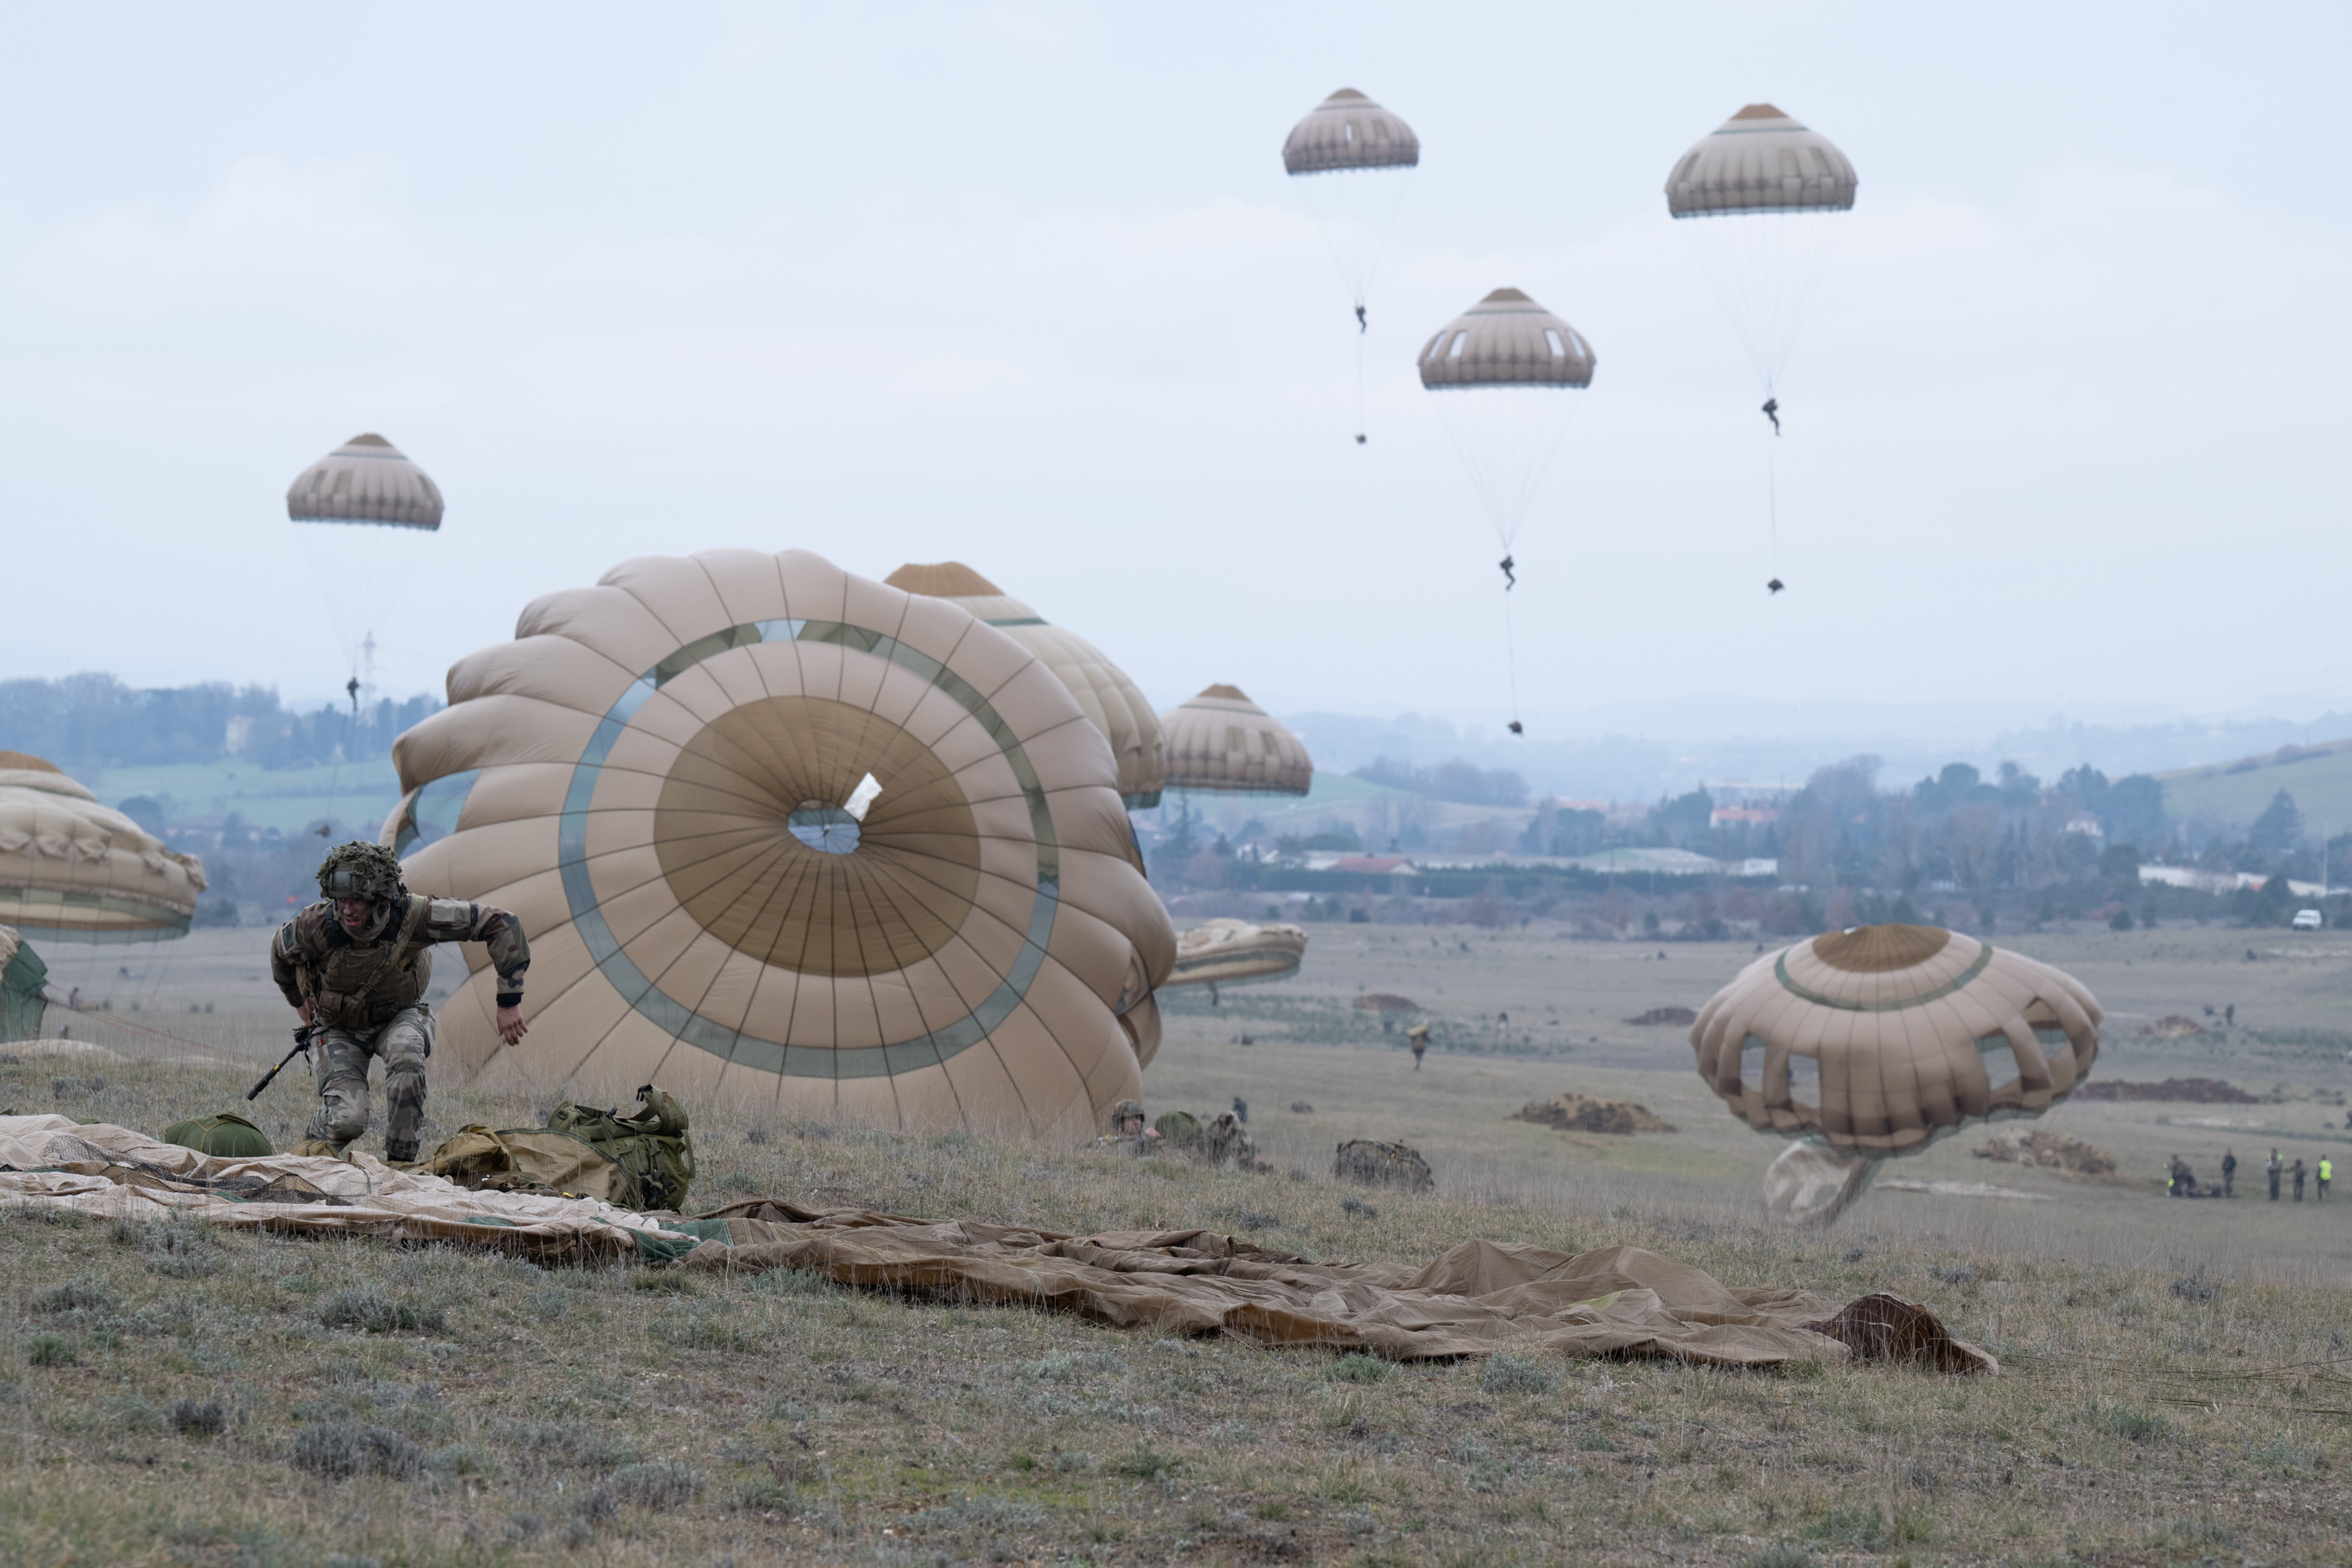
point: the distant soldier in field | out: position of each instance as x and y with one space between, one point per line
355 966
2327 1174
1418 1038
2272 1169
2229 1172
2296 1172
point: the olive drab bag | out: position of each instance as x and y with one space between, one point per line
650 1146
223 1135
643 1160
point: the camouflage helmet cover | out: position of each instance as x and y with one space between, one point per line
360 871
1125 1108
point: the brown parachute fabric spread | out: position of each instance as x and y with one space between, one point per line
1222 741
1111 700
1876 1040
1477 1298
789 839
74 870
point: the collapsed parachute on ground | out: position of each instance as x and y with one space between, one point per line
1222 742
1108 699
788 840
74 870
366 511
1873 1042
1229 951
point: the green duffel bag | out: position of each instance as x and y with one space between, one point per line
1178 1129
224 1135
651 1146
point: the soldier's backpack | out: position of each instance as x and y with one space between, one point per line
1377 1164
651 1146
643 1160
1178 1129
224 1135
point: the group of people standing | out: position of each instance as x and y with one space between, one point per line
2180 1181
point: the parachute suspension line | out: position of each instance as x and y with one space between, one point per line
1511 661
1360 379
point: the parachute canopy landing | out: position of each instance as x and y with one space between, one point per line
365 479
74 870
1228 951
1877 1040
1347 131
626 777
1107 697
1222 741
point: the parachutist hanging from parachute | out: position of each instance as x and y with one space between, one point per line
1774 585
1351 159
1767 189
1501 371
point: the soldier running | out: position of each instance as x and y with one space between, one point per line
356 965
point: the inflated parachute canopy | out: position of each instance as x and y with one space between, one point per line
1759 160
76 870
365 479
1222 741
1506 340
1349 130
1876 1040
786 839
1107 697
1227 951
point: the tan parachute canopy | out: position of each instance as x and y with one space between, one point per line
786 838
76 870
1349 130
1759 160
1876 1040
1108 699
1506 340
365 479
1220 740
1227 951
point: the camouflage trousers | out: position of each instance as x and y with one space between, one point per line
338 1060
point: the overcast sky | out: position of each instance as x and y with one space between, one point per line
1025 286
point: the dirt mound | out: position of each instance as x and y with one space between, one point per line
2048 1151
2173 1026
2194 1091
1682 1016
1575 1112
1383 1002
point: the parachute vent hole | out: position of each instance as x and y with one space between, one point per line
1552 336
1459 340
1804 1081
823 827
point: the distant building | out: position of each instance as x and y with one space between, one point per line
1725 816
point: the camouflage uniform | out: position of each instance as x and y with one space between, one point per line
1129 1135
366 996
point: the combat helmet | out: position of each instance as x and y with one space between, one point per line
360 871
1122 1110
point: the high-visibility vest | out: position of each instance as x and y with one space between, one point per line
2326 1170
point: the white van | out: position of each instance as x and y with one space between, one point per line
2306 920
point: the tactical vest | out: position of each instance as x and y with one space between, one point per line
353 987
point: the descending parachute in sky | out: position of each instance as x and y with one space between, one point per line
367 511
1108 699
1875 1042
1502 371
1224 743
795 842
1764 193
1351 160
74 870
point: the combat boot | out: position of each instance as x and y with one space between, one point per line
400 1152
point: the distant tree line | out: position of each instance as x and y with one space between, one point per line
88 722
1456 781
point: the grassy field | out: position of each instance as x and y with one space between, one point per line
2174 1387
2319 777
289 799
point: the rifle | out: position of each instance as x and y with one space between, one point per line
301 1044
